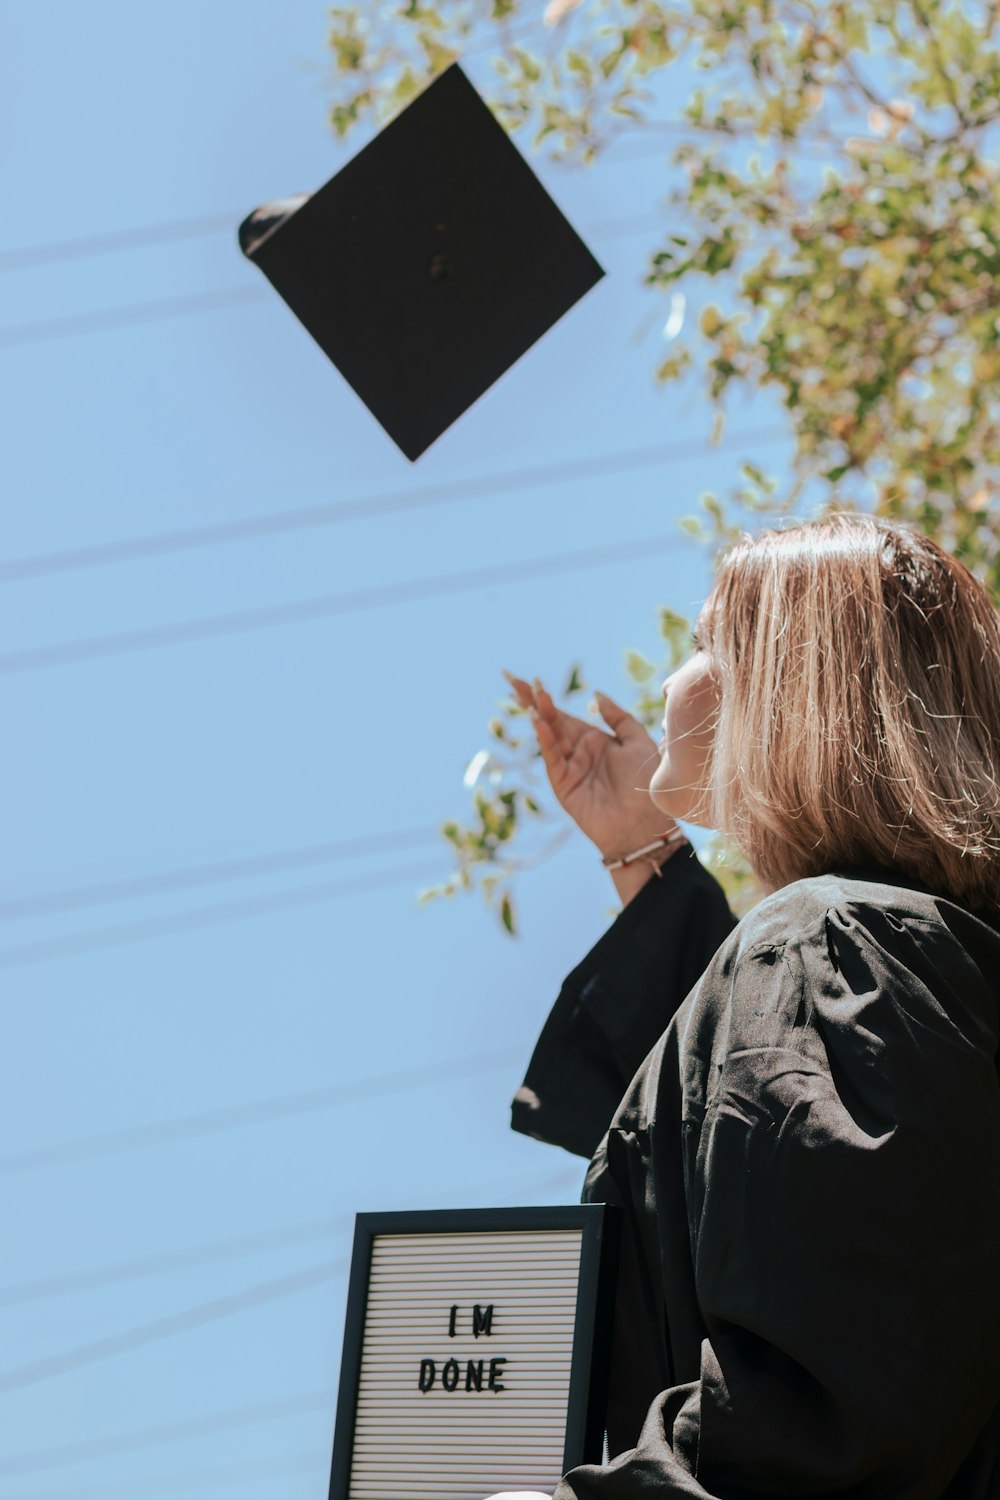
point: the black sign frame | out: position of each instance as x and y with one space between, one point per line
600 1226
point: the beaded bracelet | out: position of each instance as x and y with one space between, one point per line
678 836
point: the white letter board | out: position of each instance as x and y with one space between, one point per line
476 1349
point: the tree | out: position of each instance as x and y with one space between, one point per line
870 299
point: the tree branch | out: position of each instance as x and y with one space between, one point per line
949 82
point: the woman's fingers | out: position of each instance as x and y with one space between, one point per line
621 723
566 730
538 697
557 717
522 692
554 747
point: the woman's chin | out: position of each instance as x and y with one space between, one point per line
667 800
678 805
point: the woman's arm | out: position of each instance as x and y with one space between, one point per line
617 1001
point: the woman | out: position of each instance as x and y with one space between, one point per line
808 1159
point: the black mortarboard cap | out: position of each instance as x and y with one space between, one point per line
430 263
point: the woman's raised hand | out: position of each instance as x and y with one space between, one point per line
601 779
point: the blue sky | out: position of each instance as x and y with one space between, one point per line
170 1005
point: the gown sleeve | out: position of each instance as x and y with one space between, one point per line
843 1214
617 1001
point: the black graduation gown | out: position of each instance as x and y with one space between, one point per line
617 1001
808 1164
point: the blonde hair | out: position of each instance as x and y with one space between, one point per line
859 712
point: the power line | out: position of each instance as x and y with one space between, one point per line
293 1463
16 1293
233 1247
143 237
216 872
329 606
186 1321
387 503
34 1459
19 334
237 1116
114 241
24 955
72 898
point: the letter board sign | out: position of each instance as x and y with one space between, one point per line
476 1348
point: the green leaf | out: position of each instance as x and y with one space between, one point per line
406 87
529 65
638 667
671 623
674 367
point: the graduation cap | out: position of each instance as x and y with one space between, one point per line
428 264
